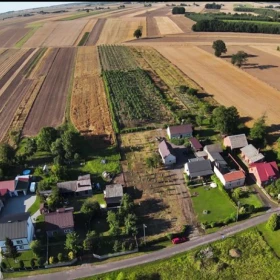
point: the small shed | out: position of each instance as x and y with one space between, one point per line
195 144
113 195
165 151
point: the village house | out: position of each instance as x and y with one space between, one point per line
180 131
231 179
251 155
165 151
113 195
19 228
60 222
235 141
213 148
264 173
198 168
15 187
195 144
80 187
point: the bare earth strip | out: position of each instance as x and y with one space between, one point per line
95 32
49 106
261 65
229 85
152 27
88 28
183 22
167 26
89 109
9 37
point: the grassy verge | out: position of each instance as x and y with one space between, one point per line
217 204
35 206
28 35
251 199
84 39
81 15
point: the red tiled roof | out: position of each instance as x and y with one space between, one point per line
60 220
234 175
181 129
7 185
195 143
266 170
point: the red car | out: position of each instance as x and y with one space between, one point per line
178 240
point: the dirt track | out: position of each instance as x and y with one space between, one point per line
96 31
228 85
49 106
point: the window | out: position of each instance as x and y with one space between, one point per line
67 230
19 242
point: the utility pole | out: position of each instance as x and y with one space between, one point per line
144 228
238 203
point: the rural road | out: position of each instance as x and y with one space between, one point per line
88 270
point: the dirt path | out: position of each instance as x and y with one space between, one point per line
96 31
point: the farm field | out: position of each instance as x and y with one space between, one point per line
88 93
125 28
249 95
184 23
95 32
88 28
167 26
49 106
164 200
12 35
134 98
264 66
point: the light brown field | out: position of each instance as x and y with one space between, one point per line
89 109
228 85
118 30
167 26
148 10
268 49
88 28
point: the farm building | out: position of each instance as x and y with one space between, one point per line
15 187
80 187
235 141
180 131
59 222
231 179
264 173
17 227
7 188
201 154
251 155
195 144
199 168
165 151
113 195
214 148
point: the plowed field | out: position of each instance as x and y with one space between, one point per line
12 35
118 30
167 26
96 31
89 110
229 86
49 106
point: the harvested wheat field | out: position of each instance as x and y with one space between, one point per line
268 49
183 22
89 110
261 65
49 106
87 29
118 30
228 85
167 26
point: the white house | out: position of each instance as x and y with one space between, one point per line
231 179
180 131
165 150
19 228
198 168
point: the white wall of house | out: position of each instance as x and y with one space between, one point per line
170 159
187 169
179 135
228 185
30 230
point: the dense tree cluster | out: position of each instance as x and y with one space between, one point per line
264 12
178 10
248 27
213 6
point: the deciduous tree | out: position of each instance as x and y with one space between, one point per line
11 249
72 242
259 130
46 136
137 33
220 47
36 247
239 58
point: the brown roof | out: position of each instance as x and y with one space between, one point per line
165 148
233 176
195 143
7 185
181 129
55 220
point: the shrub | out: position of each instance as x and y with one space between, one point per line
51 260
21 264
117 246
71 256
32 263
60 257
192 91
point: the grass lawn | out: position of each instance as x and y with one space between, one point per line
271 237
26 256
252 199
35 206
99 198
215 201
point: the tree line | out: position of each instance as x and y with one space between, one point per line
264 12
213 6
248 27
178 10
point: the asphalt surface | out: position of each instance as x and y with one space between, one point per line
89 270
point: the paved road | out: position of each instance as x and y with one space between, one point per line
88 270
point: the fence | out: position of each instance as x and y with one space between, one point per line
115 254
61 264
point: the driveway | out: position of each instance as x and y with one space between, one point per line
18 204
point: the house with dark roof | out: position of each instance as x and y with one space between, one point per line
113 195
180 131
198 168
80 187
264 173
251 155
165 151
195 144
235 141
60 222
19 228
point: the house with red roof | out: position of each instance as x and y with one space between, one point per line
166 153
7 188
264 173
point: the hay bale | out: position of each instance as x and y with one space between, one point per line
235 253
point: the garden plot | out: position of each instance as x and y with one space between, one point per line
164 203
167 26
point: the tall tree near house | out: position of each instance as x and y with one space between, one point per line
130 224
239 58
259 130
11 249
46 136
90 208
126 207
36 247
114 223
220 47
72 242
88 243
7 154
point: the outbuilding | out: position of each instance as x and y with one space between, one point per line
180 131
165 151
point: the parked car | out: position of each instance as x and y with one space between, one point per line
178 240
33 187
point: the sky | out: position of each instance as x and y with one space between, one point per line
16 6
